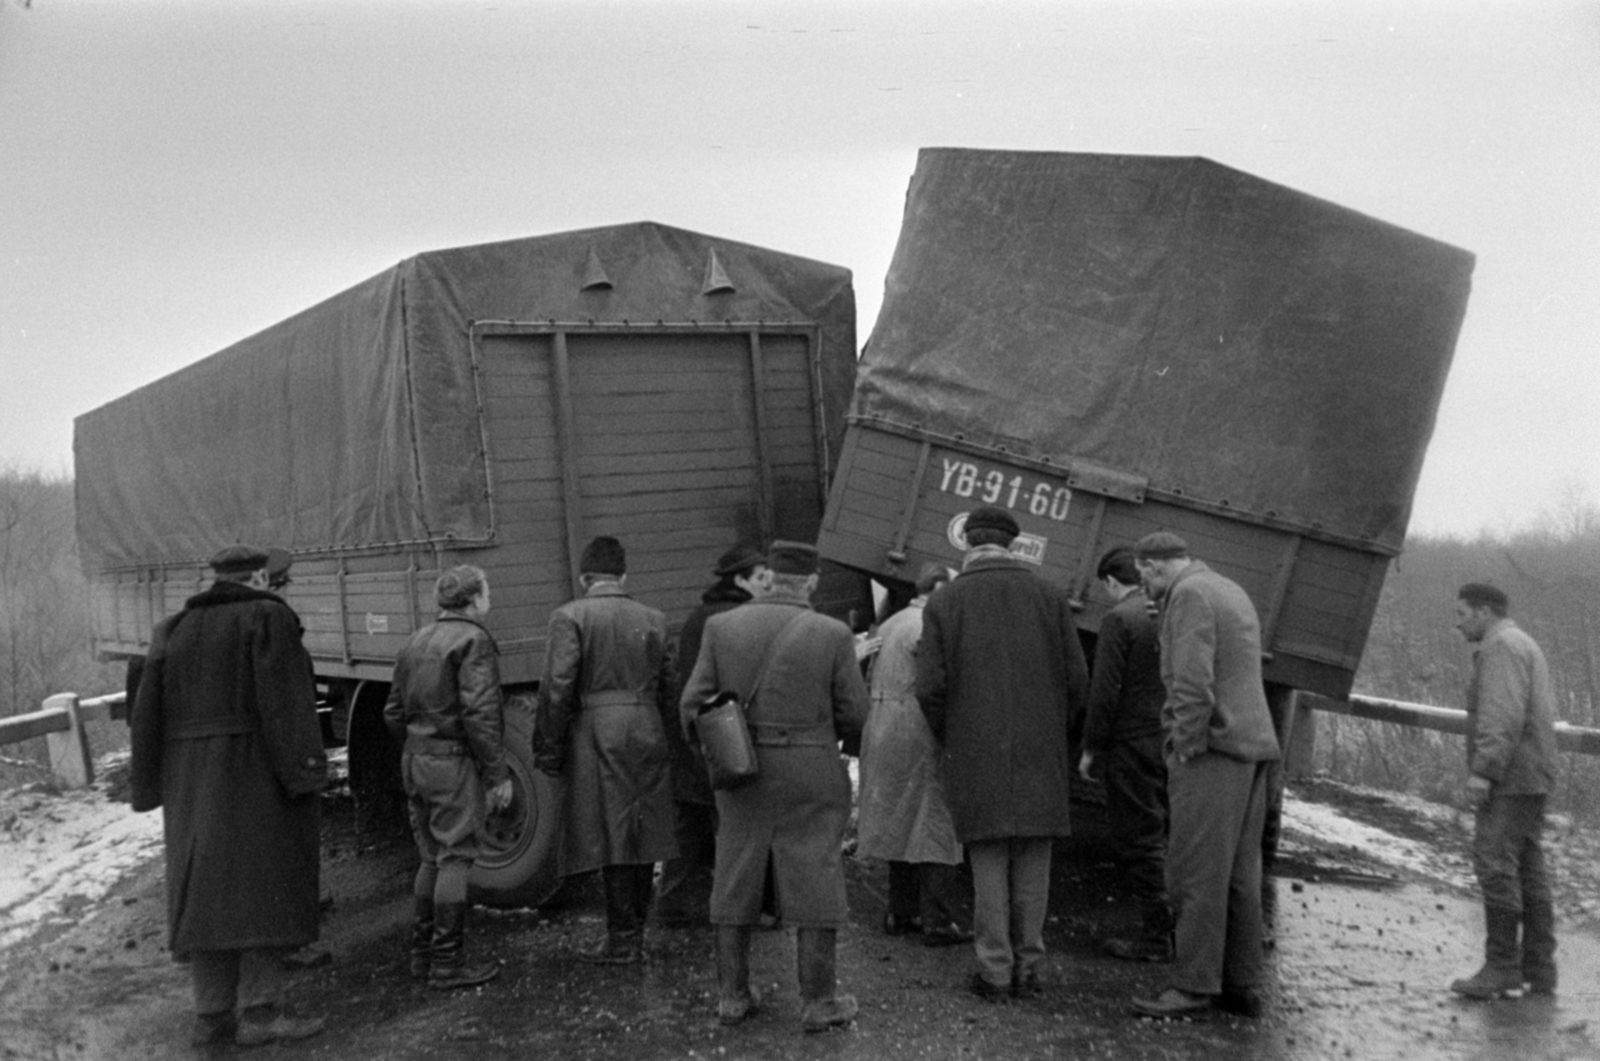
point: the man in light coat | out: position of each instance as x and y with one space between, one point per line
902 816
1218 742
445 705
608 679
810 697
1511 768
227 743
1000 670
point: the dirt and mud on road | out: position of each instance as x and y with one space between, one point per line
1370 915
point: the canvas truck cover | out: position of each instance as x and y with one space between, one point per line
1217 336
354 424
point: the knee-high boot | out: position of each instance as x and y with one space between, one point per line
449 967
1502 964
736 1000
421 936
821 1007
1539 946
624 931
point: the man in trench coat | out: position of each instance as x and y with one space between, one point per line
1000 670
608 680
227 743
811 696
902 815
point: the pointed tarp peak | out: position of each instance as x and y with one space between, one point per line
717 282
594 274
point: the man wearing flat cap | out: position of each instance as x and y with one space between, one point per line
608 682
810 697
1217 741
227 743
1000 672
684 895
1511 766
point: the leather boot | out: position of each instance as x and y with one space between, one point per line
735 998
421 936
1502 965
644 888
821 1007
624 931
1539 946
448 966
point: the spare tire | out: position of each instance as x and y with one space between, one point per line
520 846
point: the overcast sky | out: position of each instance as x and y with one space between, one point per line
175 176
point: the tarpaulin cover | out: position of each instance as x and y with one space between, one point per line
355 424
1172 319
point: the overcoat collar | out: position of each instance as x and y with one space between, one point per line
990 558
229 593
608 588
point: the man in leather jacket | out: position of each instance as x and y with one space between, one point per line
445 703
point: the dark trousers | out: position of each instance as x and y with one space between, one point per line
1219 808
928 891
1509 860
1136 810
684 894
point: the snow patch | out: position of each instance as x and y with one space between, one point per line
63 850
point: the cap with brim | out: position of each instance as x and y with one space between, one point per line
1160 545
1483 593
792 558
278 563
738 560
992 517
237 558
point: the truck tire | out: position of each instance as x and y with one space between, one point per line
519 848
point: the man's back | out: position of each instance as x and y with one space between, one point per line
999 670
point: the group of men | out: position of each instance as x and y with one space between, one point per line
964 740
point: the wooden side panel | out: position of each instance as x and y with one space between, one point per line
1316 598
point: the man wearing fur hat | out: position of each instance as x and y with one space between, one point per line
685 891
1511 760
810 697
227 743
1000 670
608 680
1218 742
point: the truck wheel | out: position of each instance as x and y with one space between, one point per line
374 760
518 850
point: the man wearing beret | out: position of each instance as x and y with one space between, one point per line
1000 671
684 896
1511 760
446 707
608 682
227 743
1218 742
810 697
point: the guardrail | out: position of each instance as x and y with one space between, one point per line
1580 739
61 723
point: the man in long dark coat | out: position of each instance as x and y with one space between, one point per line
608 678
684 894
999 672
811 696
227 743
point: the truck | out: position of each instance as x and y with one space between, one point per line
1109 345
497 405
